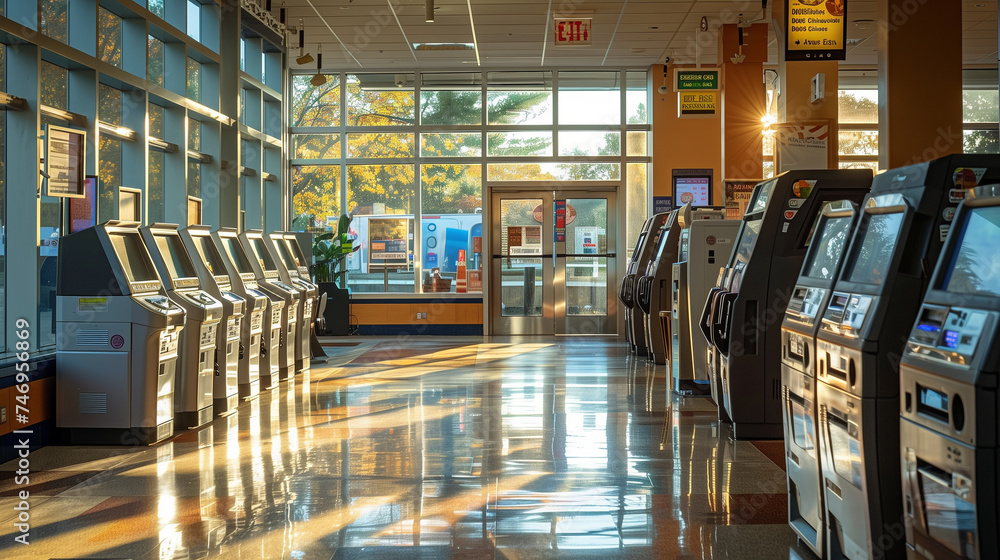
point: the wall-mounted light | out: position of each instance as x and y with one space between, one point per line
319 79
304 57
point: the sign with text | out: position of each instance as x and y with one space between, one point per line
572 32
688 79
662 204
697 104
801 146
738 193
816 29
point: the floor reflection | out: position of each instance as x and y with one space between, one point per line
436 448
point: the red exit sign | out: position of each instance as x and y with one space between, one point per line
572 32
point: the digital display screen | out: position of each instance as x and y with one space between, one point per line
236 254
285 255
210 255
825 255
975 266
263 256
761 197
695 191
873 256
748 240
133 256
951 339
83 211
950 520
296 250
174 256
638 246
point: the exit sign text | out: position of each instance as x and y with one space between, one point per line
572 32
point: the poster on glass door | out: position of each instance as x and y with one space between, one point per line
524 240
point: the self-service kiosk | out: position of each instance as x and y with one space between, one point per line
269 280
715 338
900 232
195 378
948 377
118 333
706 241
798 375
213 276
259 357
635 327
653 289
776 230
295 271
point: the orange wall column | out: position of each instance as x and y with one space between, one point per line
743 101
919 81
688 143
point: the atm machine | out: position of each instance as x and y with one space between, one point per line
269 280
214 279
195 378
900 232
948 376
116 352
714 337
635 328
295 271
777 228
798 375
653 289
707 240
261 335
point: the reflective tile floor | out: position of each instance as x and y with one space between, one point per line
424 449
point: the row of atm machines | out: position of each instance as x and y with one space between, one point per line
161 329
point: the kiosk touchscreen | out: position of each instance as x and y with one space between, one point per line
707 240
194 394
214 278
798 379
653 289
116 352
269 280
295 271
776 231
900 232
259 358
635 328
948 376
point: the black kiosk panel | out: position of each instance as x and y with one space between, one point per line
653 289
645 250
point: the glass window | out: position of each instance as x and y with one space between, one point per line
450 189
858 106
194 179
379 145
528 107
589 143
109 41
316 146
635 143
521 143
526 171
54 80
193 80
858 142
315 106
316 195
450 107
53 16
154 60
380 189
981 105
194 20
374 100
156 6
109 166
636 111
194 134
636 198
110 105
981 142
451 144
589 98
384 262
155 121
154 187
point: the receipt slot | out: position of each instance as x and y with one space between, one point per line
798 375
706 242
213 276
194 393
948 377
118 333
261 334
901 230
293 269
653 288
635 327
269 280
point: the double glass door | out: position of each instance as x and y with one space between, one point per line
553 261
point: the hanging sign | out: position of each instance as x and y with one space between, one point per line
816 29
572 32
697 104
695 79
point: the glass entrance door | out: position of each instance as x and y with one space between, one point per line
553 265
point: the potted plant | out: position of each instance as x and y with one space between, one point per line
330 251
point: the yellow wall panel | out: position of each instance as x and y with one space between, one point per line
406 313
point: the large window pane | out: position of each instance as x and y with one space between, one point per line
53 82
155 121
858 142
194 135
858 106
450 189
154 61
379 145
589 143
54 19
589 98
154 188
982 141
384 262
316 146
636 111
636 200
635 143
193 20
453 144
452 221
528 107
315 106
194 179
981 105
156 6
193 80
380 189
109 42
109 110
525 143
526 171
449 107
316 196
371 102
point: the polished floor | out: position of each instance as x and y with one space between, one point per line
426 448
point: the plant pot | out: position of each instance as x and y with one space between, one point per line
338 309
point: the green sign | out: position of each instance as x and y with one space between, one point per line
688 79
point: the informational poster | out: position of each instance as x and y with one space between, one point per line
388 242
802 146
524 240
738 193
816 29
662 204
475 281
695 191
697 104
64 161
560 221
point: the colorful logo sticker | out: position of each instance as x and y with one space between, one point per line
968 177
948 214
796 202
956 195
710 240
789 214
803 187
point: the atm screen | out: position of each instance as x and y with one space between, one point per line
209 254
696 191
975 268
826 254
638 246
286 256
871 259
260 251
761 196
133 256
178 263
950 520
236 254
296 252
748 239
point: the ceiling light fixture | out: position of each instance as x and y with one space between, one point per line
304 57
319 79
429 11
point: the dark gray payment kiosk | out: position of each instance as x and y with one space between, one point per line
635 327
776 230
259 357
295 272
900 233
653 289
116 352
214 278
798 372
194 391
269 280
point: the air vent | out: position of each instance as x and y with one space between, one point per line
92 337
93 403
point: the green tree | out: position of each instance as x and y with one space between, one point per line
981 106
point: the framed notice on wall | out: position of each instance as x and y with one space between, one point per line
738 193
83 210
64 161
815 29
802 146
